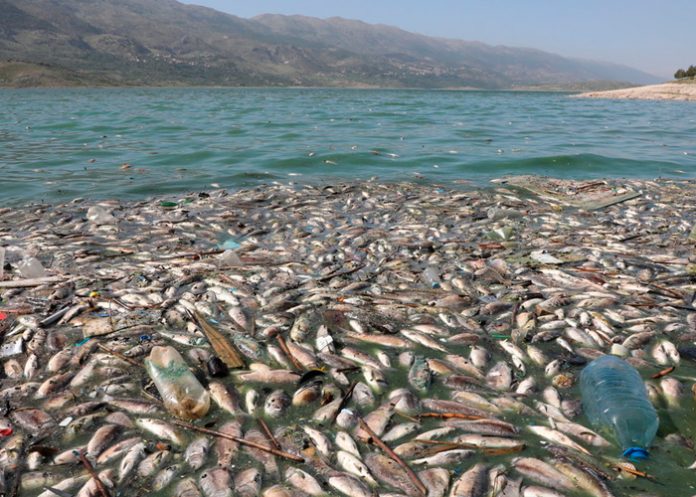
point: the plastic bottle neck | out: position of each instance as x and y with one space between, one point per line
635 453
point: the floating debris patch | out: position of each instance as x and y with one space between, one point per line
355 339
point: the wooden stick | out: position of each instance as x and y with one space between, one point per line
269 434
286 351
662 373
448 415
413 476
88 466
27 283
240 441
344 401
119 355
491 451
635 472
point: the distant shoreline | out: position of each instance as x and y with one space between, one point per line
680 91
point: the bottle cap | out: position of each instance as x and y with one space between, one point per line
635 453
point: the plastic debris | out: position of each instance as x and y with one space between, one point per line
181 392
31 268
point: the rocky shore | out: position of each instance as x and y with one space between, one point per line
666 91
396 339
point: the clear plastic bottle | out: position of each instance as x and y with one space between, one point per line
181 392
31 267
432 277
614 397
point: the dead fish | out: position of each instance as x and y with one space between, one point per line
349 485
38 479
133 406
34 421
320 441
375 379
422 339
471 440
269 376
101 438
225 397
268 460
345 442
53 384
436 480
66 484
556 437
493 427
420 375
216 483
541 472
187 488
91 488
537 491
306 394
445 458
117 450
161 429
390 473
225 449
153 462
165 477
247 483
377 420
500 376
196 452
665 353
473 483
583 433
276 403
350 463
584 479
400 431
303 481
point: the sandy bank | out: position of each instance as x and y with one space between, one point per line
666 91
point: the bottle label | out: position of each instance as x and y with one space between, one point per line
171 370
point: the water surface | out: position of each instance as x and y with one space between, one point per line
57 144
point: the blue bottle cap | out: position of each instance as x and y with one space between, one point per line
635 453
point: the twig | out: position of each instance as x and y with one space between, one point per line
119 355
240 441
31 282
88 466
286 351
344 401
269 434
376 440
634 472
662 373
448 415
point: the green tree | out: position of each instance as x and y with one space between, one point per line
691 72
681 73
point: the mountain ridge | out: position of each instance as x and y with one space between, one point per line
164 42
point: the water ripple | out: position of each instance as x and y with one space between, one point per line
131 143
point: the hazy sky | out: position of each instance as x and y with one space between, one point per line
656 36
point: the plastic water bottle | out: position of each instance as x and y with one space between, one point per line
432 277
31 267
181 392
614 396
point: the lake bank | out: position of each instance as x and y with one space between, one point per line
682 91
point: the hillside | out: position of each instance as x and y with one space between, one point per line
164 42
